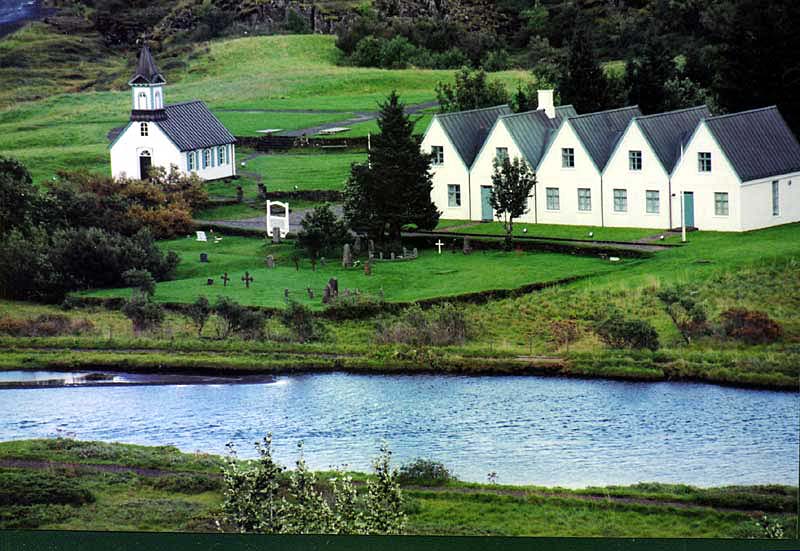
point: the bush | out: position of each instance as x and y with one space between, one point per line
45 325
144 314
440 326
32 488
199 312
185 483
301 323
750 326
424 472
618 332
322 233
238 319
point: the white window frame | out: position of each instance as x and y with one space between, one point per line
776 198
453 195
704 161
144 131
634 160
437 155
719 202
620 200
553 197
567 157
585 200
190 161
648 200
221 156
501 153
206 158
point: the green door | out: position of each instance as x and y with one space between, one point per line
688 208
486 205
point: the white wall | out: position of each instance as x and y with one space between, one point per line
652 177
215 170
126 150
551 174
453 171
757 201
722 179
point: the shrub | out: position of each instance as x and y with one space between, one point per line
238 319
31 488
185 483
300 321
199 312
424 472
750 326
618 332
688 315
322 232
144 314
564 332
440 326
45 325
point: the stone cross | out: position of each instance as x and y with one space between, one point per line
440 245
225 279
347 256
248 279
276 235
270 262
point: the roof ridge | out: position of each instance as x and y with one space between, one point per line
602 112
523 113
717 117
473 110
653 115
183 103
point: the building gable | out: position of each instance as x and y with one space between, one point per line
467 130
599 132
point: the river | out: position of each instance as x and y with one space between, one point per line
531 430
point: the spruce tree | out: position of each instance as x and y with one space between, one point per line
584 83
393 188
646 74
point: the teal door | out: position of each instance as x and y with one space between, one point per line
486 205
688 208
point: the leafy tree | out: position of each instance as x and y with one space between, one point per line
144 286
384 501
144 314
471 90
393 188
296 23
238 319
199 312
583 83
646 75
307 510
17 195
512 182
619 332
322 232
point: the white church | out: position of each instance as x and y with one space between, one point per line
186 135
620 168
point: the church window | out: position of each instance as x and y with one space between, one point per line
206 158
143 129
142 101
190 162
157 102
221 155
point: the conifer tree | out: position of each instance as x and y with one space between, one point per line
584 83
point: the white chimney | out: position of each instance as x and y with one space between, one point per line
546 103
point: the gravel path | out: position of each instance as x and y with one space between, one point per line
260 222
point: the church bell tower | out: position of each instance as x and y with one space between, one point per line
147 89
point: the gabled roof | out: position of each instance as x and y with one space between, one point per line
599 132
191 125
668 132
532 130
146 71
469 129
757 143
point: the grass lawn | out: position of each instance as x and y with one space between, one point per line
371 127
238 211
249 122
553 230
431 275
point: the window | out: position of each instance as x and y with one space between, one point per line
584 198
143 128
567 157
221 155
190 161
721 204
206 158
553 202
652 202
620 200
634 160
438 155
157 101
776 207
141 102
453 195
704 161
501 153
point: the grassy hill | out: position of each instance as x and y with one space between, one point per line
297 72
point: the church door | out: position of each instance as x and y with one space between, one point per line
144 165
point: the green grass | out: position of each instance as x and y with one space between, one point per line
361 129
555 230
430 276
238 211
248 123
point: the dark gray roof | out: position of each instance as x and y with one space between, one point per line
191 125
146 71
667 132
533 130
599 132
566 111
468 129
758 143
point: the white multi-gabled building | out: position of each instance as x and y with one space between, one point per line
622 169
186 135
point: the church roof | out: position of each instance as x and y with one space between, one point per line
190 125
469 129
532 130
599 132
146 70
668 132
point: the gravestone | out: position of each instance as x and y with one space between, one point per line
271 262
203 257
415 253
210 282
467 247
225 279
276 235
453 246
248 279
262 192
347 256
286 294
313 264
367 268
327 294
347 292
322 261
239 194
334 283
357 245
310 292
392 255
371 246
381 255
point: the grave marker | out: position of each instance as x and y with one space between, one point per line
225 279
204 257
347 256
271 262
248 279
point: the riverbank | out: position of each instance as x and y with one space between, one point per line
749 368
127 487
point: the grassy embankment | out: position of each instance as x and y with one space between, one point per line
67 484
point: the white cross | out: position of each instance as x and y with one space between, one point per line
440 245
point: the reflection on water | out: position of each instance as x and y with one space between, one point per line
529 430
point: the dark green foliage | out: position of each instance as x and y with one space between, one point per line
185 483
322 233
300 321
18 196
45 325
199 312
142 282
646 75
145 315
471 90
583 83
239 320
296 23
34 488
394 188
424 472
688 315
439 326
750 326
512 183
618 332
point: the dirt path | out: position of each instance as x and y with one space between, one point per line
260 222
41 465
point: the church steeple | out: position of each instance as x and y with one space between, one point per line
147 93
